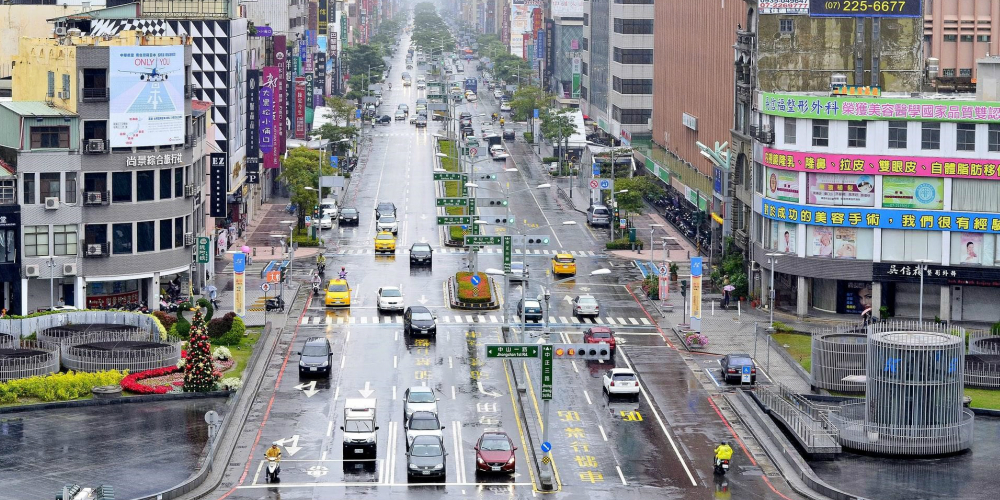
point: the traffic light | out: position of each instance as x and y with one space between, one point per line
504 220
537 240
491 202
684 288
487 177
587 352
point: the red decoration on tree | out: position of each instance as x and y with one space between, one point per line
199 372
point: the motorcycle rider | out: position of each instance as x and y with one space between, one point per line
321 264
343 273
723 452
316 282
501 122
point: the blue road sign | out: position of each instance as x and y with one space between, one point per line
239 262
597 170
695 266
536 113
745 375
357 113
605 183
546 446
475 280
335 161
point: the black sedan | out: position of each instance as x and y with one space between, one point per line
508 135
419 319
421 122
421 253
732 367
384 120
349 215
385 208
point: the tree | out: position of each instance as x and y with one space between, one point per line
336 134
199 372
358 87
299 171
341 109
638 187
558 125
527 99
364 60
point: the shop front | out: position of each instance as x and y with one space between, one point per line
10 264
956 293
126 291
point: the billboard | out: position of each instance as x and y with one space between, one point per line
912 192
147 96
783 6
567 8
865 8
782 185
885 218
875 108
521 17
253 124
911 166
841 189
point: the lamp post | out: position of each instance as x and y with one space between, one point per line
772 259
291 251
652 245
611 226
923 271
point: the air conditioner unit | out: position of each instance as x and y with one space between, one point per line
51 203
95 249
94 197
95 146
31 270
188 239
69 269
838 80
63 95
189 190
60 31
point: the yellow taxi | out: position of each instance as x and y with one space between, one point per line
338 293
385 242
563 263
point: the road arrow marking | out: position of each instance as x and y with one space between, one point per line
480 383
366 392
423 239
309 389
423 216
294 448
423 300
567 298
341 231
317 471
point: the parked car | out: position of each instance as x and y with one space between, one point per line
495 453
426 458
419 319
390 298
600 334
732 367
349 215
422 423
419 398
598 215
531 309
316 357
421 253
621 381
586 305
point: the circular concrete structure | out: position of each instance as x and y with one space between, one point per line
132 355
837 354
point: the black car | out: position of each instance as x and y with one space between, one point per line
421 253
385 208
349 215
531 308
419 319
465 115
316 357
732 367
384 120
468 130
508 135
426 458
421 122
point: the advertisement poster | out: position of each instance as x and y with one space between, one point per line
845 243
521 16
912 192
910 166
253 126
785 237
867 108
841 190
782 185
218 184
971 249
853 297
567 8
300 107
822 241
147 96
696 274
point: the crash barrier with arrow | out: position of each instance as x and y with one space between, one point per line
530 422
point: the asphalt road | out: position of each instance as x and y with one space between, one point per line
617 448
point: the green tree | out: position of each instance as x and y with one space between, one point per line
299 171
341 109
364 60
526 100
638 187
558 125
358 87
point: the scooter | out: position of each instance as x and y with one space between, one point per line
315 289
721 466
275 304
272 471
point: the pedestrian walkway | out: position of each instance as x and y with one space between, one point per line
469 319
463 251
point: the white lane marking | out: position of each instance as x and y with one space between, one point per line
395 361
347 338
709 372
645 321
323 456
586 395
575 319
575 369
493 319
598 321
343 359
663 427
562 319
469 319
622 476
329 429
257 474
451 362
621 321
552 319
336 393
458 319
452 392
633 321
395 337
603 435
393 393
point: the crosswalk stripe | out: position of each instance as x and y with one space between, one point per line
458 319
634 322
598 320
493 319
447 319
575 319
644 321
364 320
610 320
621 321
397 319
340 320
562 319
351 320
552 319
468 319
329 320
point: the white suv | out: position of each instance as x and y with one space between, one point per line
387 223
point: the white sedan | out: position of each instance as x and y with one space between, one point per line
505 107
498 93
326 222
621 381
390 298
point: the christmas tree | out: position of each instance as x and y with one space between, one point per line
199 372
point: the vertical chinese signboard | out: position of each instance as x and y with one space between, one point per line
267 116
218 183
695 320
300 107
253 126
280 96
319 80
323 16
291 63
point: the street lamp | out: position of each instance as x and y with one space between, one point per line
291 252
652 246
923 270
772 259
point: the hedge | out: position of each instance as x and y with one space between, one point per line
57 386
529 137
466 289
622 244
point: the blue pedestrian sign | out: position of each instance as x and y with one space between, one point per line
239 262
335 161
605 183
597 169
546 446
475 280
745 379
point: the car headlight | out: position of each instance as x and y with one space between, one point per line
439 466
511 460
325 363
480 460
413 466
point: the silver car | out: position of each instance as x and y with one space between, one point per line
518 271
419 398
423 423
387 223
586 305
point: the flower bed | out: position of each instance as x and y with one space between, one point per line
695 339
163 380
473 294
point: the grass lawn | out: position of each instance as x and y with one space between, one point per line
799 346
984 398
241 353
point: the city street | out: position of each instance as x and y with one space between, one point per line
659 444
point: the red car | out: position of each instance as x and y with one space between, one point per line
495 453
599 334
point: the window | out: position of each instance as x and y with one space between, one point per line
65 84
71 188
790 130
122 238
897 135
65 239
786 26
166 234
857 134
165 184
51 89
95 234
631 116
994 137
179 182
930 135
121 187
951 38
948 72
48 185
29 189
584 68
633 56
179 232
983 38
632 85
145 233
586 19
633 26
144 180
965 139
49 137
8 192
965 72
8 246
586 44
966 38
821 132
36 241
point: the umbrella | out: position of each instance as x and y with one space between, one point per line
729 288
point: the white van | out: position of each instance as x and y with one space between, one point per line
328 206
360 437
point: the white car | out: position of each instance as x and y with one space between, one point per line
621 381
423 423
390 299
421 85
419 398
387 223
498 153
586 305
326 222
498 93
471 97
505 107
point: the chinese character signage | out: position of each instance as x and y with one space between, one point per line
841 190
865 8
300 107
885 218
280 96
253 124
289 96
783 7
696 276
782 186
218 184
911 166
936 274
878 108
268 111
319 81
323 16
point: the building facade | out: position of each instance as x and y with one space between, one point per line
564 45
956 34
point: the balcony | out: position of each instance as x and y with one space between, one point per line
99 94
745 40
762 135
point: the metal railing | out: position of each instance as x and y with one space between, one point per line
857 433
983 342
43 363
837 353
85 359
982 375
809 424
95 94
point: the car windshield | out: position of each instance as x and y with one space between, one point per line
425 450
359 426
421 248
565 260
384 237
532 304
740 361
517 265
601 211
348 211
587 300
391 292
624 377
424 424
337 288
314 351
601 335
421 397
422 316
495 444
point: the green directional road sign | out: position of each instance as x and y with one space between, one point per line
452 202
547 371
454 219
448 176
507 250
483 240
492 202
472 211
511 350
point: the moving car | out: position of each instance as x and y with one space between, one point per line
360 428
326 222
400 115
421 85
387 223
403 107
349 215
621 381
419 319
316 357
600 334
497 93
505 107
385 208
419 398
421 253
426 458
563 263
385 242
422 423
531 309
421 121
508 135
390 298
598 215
732 367
518 271
338 293
328 206
498 153
469 96
495 453
384 120
586 305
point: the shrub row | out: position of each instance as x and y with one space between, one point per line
57 386
469 293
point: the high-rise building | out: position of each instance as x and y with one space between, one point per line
956 34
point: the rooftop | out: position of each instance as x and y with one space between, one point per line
35 108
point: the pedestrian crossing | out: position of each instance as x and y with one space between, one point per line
467 319
486 250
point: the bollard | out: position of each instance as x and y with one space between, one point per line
272 250
254 251
713 308
689 254
739 309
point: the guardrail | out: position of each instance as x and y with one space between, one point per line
808 424
44 363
